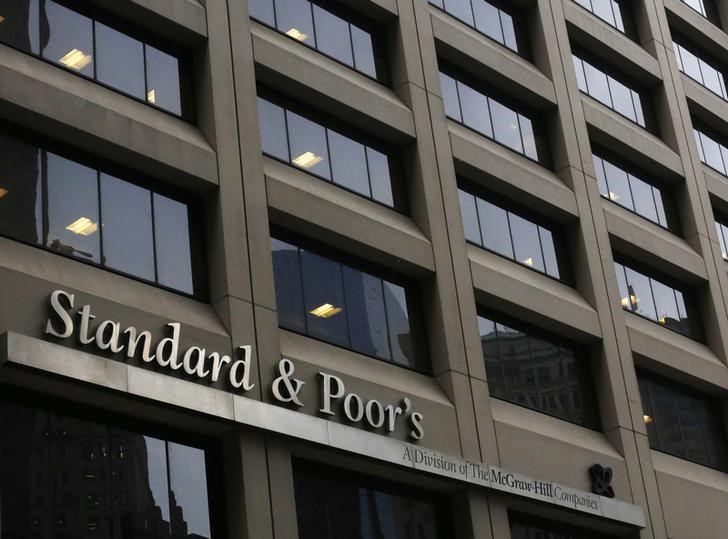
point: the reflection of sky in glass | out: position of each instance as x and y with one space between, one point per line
158 474
189 484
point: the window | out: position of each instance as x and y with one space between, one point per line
620 96
529 527
334 504
509 234
497 19
644 198
68 207
329 29
694 64
706 8
722 230
337 302
64 476
85 44
332 152
712 149
516 129
538 371
682 422
653 298
615 13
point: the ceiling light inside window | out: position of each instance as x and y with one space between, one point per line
647 419
3 192
83 226
76 59
630 302
613 196
326 311
295 33
307 160
2 19
528 261
152 96
662 320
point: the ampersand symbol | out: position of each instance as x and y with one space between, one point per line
291 385
601 478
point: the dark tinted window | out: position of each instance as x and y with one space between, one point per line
335 504
51 200
337 302
632 191
712 148
537 371
509 234
328 28
496 19
495 117
683 422
84 44
528 527
331 152
654 298
61 476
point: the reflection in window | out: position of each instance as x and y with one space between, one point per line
613 12
496 19
61 476
634 193
529 527
691 62
683 422
509 234
603 87
328 153
326 28
538 372
84 45
712 153
47 199
343 305
522 133
653 299
335 504
722 230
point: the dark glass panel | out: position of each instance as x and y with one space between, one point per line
400 335
526 243
494 228
505 126
273 130
294 18
349 163
363 51
67 38
20 25
172 241
128 231
73 208
332 35
366 314
450 97
289 288
323 292
380 177
460 9
263 10
154 477
120 61
491 354
163 80
474 106
189 509
639 287
21 195
487 19
549 252
470 217
311 509
308 145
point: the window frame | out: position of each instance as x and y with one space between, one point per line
719 138
626 17
678 40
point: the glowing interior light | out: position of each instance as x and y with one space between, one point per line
528 261
152 96
662 320
83 226
295 33
630 301
326 311
76 59
2 19
647 419
307 160
613 196
3 192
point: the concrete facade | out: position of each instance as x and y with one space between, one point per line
219 159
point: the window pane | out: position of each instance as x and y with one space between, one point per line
379 176
711 78
699 144
460 9
163 80
618 181
644 203
493 368
721 239
711 151
529 138
363 51
494 228
487 19
119 61
188 492
73 209
505 126
308 145
597 85
603 10
474 106
526 242
509 32
263 10
660 205
666 305
450 97
622 99
70 40
273 137
172 242
580 77
127 227
323 289
20 27
639 287
21 198
601 178
332 35
470 217
549 252
622 284
639 108
690 64
549 377
153 472
366 313
295 19
349 163
289 288
400 334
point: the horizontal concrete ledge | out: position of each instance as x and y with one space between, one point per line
683 359
465 47
315 207
706 105
654 246
483 161
609 129
80 112
690 471
321 82
26 352
612 45
696 27
527 295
